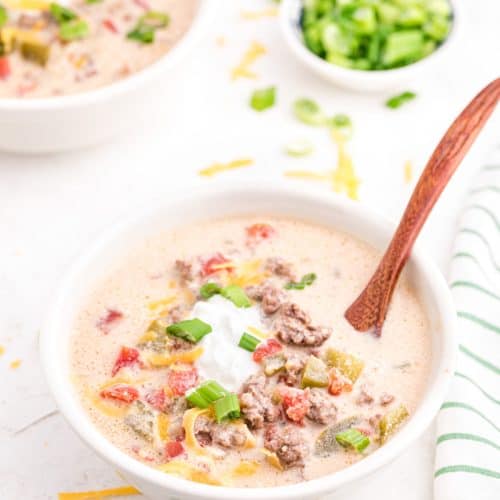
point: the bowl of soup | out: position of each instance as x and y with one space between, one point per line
77 73
200 346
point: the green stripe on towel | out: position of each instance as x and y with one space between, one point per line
465 406
475 286
473 232
475 384
468 437
478 321
479 359
467 468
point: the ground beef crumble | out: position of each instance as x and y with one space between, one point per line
288 443
256 404
322 409
270 296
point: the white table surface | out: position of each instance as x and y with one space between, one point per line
50 206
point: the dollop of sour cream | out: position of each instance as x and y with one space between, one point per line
222 360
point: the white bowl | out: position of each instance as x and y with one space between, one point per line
360 80
68 122
204 203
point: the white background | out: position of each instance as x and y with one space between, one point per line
50 206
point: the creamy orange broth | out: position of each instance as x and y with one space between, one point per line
397 363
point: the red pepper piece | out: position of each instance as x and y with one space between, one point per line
106 322
157 399
123 393
211 265
128 356
110 25
295 404
4 67
256 233
268 348
174 449
181 381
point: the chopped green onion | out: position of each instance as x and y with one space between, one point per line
353 438
206 393
299 148
340 121
61 14
307 280
248 342
73 30
309 112
263 99
227 407
236 295
209 290
4 16
398 100
155 19
93 1
142 33
192 330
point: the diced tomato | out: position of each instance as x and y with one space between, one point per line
128 356
106 322
174 449
181 381
4 67
338 384
295 404
157 399
214 264
123 393
256 233
265 349
110 25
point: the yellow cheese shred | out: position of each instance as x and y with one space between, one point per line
187 471
305 174
27 4
160 360
2 350
246 468
161 302
408 172
163 424
344 178
14 365
259 14
272 458
188 421
97 495
217 168
248 273
242 70
257 333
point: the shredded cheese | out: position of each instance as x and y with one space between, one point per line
408 172
217 168
14 365
272 458
258 333
161 303
259 14
246 468
344 178
27 4
2 350
160 360
97 495
188 421
248 273
243 69
305 174
187 471
163 424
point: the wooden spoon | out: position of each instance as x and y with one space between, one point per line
369 310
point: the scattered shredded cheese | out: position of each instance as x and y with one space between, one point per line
97 495
163 424
160 360
260 14
408 172
14 365
161 303
187 471
344 177
248 273
258 333
2 350
27 4
222 167
246 468
243 70
188 421
305 174
272 458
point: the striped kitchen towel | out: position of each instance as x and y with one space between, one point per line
468 426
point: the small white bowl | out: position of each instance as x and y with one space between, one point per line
62 123
354 79
230 199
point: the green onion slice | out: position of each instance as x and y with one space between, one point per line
142 33
353 438
398 100
227 407
61 14
209 290
155 19
341 120
192 330
307 280
309 112
206 393
4 16
73 30
236 295
298 148
248 342
263 99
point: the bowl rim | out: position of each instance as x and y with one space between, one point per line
74 414
203 17
335 71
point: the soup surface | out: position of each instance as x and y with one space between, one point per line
219 352
49 49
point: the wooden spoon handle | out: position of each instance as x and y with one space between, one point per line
370 308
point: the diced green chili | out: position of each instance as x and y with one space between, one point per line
391 421
315 373
35 51
350 366
73 30
263 99
306 280
192 330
